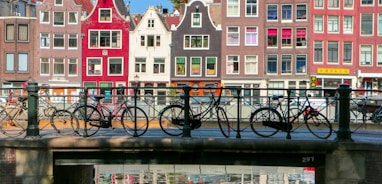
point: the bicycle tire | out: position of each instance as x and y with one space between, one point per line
318 124
132 127
92 118
7 126
262 115
224 125
61 121
377 116
171 120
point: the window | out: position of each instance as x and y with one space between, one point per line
196 68
150 23
58 67
196 20
23 62
233 8
140 65
233 36
104 15
10 62
251 36
366 2
44 40
94 66
348 3
159 65
73 18
333 24
379 57
272 64
318 51
157 41
251 9
333 4
301 12
211 68
58 41
333 52
318 24
286 12
348 52
10 32
251 64
301 37
143 41
196 41
150 40
44 17
23 32
105 39
286 64
44 66
73 66
115 66
272 37
180 68
380 24
58 18
300 63
348 24
366 57
72 41
286 38
272 12
233 65
318 3
366 23
58 2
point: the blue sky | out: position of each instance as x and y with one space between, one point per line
140 6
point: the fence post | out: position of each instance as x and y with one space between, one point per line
238 92
344 133
187 121
32 129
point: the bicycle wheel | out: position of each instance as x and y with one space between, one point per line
224 125
132 127
9 127
171 120
377 116
318 124
262 119
61 121
86 124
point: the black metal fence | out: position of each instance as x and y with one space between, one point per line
237 105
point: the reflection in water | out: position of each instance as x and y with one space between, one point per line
202 174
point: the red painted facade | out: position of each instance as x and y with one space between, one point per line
109 49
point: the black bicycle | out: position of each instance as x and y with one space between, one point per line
267 121
171 117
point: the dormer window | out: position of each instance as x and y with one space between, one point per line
105 15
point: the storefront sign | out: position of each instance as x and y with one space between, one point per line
333 71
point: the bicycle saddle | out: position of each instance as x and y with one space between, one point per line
22 98
97 97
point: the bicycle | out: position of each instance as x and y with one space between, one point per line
367 110
171 117
14 118
133 119
267 121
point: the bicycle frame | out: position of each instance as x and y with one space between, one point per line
214 103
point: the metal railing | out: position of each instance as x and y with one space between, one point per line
238 107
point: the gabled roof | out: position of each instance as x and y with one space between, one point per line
172 20
87 6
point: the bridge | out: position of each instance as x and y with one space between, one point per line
44 156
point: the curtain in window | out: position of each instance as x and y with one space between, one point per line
287 34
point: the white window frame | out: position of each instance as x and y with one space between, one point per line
251 35
291 13
349 7
215 67
306 12
277 13
54 19
9 62
63 40
333 25
72 36
348 29
379 55
97 43
108 66
231 34
235 8
251 67
61 64
372 4
75 15
99 15
194 20
42 15
100 66
229 62
320 2
369 56
23 62
185 66
42 62
251 4
189 47
75 63
58 2
333 2
199 73
44 39
372 24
